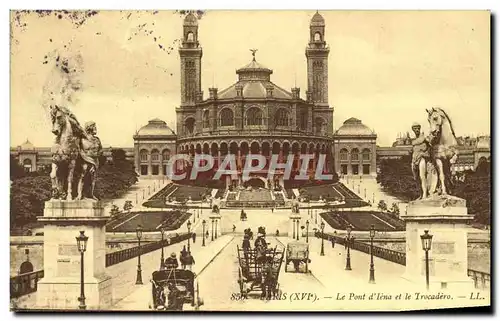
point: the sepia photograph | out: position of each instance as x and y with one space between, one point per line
250 160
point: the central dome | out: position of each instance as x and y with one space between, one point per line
254 80
254 71
354 127
156 127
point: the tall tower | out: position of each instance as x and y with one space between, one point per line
317 62
190 53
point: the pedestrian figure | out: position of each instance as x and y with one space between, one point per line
207 235
333 242
189 261
193 236
234 228
272 209
277 232
171 262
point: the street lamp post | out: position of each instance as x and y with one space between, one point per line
426 246
212 229
316 217
138 232
298 227
293 227
216 228
162 263
81 241
307 231
373 198
322 239
372 268
365 192
203 224
189 235
348 258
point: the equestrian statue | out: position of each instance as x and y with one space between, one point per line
75 156
433 155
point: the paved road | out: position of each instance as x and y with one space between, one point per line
220 290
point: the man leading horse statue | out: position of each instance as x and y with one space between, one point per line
433 155
75 156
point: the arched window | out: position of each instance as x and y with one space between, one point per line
355 154
254 116
155 155
189 125
366 154
319 125
303 118
343 154
282 117
143 155
226 117
206 119
190 36
27 164
317 36
165 155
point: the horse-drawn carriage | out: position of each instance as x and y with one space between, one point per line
297 253
261 273
180 286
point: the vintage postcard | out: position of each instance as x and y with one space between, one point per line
204 160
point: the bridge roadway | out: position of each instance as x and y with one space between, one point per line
217 270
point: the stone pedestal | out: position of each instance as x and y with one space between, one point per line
445 217
60 286
217 228
293 226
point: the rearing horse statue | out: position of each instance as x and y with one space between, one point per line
443 147
65 151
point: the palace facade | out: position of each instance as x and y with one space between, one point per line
254 115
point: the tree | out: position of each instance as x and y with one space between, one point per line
396 179
382 205
118 155
127 206
16 170
29 193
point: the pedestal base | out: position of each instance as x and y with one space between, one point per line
445 218
461 285
63 293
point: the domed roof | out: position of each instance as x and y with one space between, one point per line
190 20
27 145
156 127
354 127
317 20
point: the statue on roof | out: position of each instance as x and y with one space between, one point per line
253 53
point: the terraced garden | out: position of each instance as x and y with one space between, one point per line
362 220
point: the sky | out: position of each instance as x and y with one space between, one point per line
385 68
